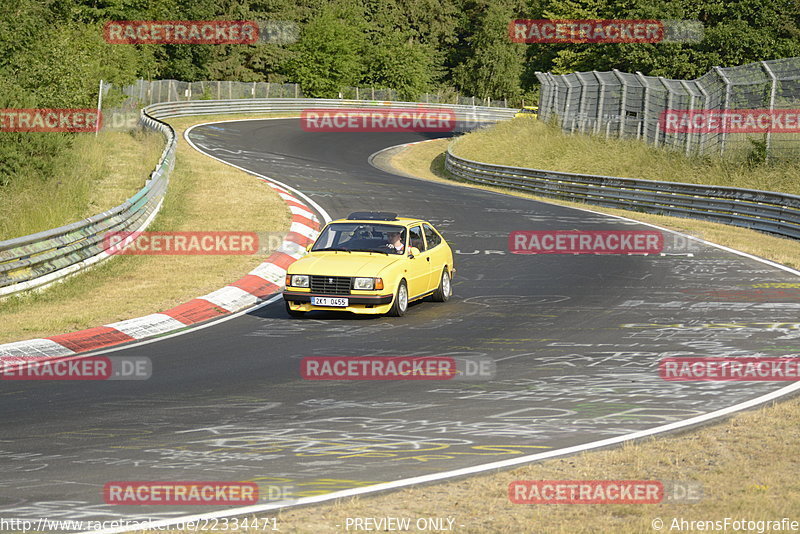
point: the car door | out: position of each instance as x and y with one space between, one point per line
419 268
438 255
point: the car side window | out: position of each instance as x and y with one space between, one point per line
431 237
416 238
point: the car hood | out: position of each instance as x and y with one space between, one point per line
343 263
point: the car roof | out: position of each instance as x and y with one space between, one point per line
399 221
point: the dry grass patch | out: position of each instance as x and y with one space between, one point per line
545 147
203 194
98 173
744 474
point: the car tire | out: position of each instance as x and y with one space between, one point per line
294 313
400 304
445 289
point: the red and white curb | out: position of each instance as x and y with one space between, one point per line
265 280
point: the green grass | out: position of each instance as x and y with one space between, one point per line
98 174
530 143
203 194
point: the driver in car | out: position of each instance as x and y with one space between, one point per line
395 242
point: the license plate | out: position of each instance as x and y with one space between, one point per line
329 301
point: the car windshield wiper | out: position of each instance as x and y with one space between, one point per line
331 248
370 250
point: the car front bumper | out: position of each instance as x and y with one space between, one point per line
367 304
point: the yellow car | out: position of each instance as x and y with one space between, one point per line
371 263
532 112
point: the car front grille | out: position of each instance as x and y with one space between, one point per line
332 285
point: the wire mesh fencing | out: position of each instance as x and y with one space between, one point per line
746 108
144 93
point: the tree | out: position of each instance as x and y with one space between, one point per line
328 56
494 65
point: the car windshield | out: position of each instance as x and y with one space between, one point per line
362 237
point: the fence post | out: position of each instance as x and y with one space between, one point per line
725 104
691 106
669 106
565 120
582 105
600 101
553 104
772 92
99 108
701 135
645 104
622 102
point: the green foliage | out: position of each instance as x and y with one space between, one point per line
494 64
328 55
52 53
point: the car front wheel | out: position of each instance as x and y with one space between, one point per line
445 289
400 300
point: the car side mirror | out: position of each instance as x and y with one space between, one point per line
413 252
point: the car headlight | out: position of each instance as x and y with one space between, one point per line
368 283
298 280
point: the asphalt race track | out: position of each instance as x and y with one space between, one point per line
576 340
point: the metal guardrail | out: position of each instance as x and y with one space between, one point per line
465 114
776 213
39 259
